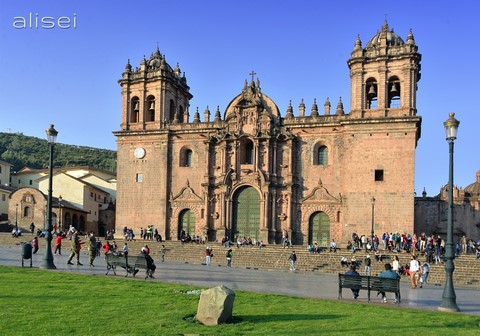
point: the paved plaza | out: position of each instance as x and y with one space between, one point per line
298 283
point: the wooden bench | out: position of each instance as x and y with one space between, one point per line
132 264
368 283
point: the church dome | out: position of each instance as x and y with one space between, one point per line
391 38
473 190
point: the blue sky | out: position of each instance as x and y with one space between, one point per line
298 49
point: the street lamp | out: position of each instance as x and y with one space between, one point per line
60 199
449 298
48 257
373 221
16 217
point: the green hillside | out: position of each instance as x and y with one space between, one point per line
26 151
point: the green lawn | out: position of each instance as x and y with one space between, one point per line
41 302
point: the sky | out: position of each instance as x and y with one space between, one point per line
66 73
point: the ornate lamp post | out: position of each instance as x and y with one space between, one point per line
48 257
16 217
60 199
449 298
373 221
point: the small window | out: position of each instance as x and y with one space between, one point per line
378 175
3 197
139 177
188 158
322 156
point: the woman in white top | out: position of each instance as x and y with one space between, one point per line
414 268
395 264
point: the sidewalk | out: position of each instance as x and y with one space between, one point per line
298 283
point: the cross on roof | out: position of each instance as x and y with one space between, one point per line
253 73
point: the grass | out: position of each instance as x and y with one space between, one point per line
42 302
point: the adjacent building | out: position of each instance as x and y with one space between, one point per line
82 196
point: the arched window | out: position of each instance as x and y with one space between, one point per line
186 155
322 156
27 212
135 110
151 108
246 152
394 90
371 93
181 116
171 114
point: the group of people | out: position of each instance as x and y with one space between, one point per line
417 272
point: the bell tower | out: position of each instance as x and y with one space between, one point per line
153 95
384 76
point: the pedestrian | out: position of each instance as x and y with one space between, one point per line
293 259
162 253
229 258
150 263
425 271
35 244
58 244
32 228
353 271
99 247
92 248
368 265
125 250
75 249
414 268
208 256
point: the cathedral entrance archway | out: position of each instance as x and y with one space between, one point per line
319 229
246 213
186 222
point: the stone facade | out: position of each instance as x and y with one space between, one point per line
431 212
252 172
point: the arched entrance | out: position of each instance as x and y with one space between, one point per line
246 213
186 222
319 229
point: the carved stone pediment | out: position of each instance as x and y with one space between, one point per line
320 194
187 194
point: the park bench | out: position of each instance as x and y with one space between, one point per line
368 283
132 264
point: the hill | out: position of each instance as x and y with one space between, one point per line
27 151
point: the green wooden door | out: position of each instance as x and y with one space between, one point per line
187 223
246 213
319 229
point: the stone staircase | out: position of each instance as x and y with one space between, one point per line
275 257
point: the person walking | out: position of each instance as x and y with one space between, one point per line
162 253
58 244
208 256
293 259
425 271
229 258
92 248
75 249
35 244
368 265
413 270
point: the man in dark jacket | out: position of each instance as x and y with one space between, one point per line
353 271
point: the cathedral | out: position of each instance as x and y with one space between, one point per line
254 171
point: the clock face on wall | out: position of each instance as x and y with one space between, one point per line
139 153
